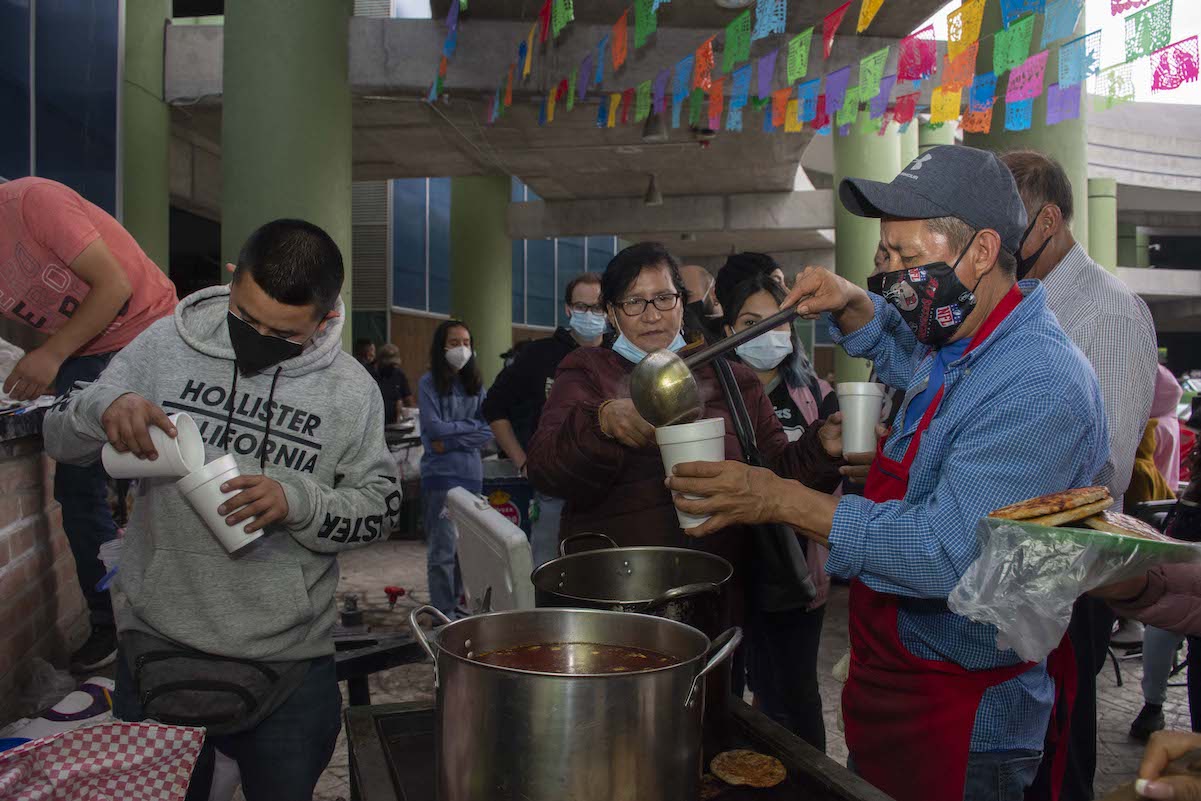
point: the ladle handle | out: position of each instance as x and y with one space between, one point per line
706 355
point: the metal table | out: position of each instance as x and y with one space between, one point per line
391 749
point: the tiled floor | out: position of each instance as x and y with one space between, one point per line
366 572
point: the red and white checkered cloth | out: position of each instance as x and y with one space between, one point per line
111 761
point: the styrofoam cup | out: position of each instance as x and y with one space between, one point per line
176 457
860 403
702 441
202 488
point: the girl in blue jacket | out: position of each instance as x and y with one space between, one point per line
453 431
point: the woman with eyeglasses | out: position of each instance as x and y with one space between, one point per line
594 450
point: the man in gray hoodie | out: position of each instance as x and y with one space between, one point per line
241 643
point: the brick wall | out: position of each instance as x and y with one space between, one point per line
42 612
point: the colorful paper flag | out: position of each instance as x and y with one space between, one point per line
821 117
660 90
849 109
905 108
571 84
545 112
741 87
867 13
1079 58
882 97
627 102
1115 86
646 22
1011 46
792 120
1018 115
977 121
1060 20
1063 104
871 70
807 96
1012 9
836 88
944 104
614 102
984 90
1026 81
452 17
494 108
683 79
601 46
642 101
620 40
734 120
703 73
830 26
696 103
544 20
737 47
770 17
767 73
562 13
885 121
798 55
917 55
452 42
959 72
779 105
963 26
1149 30
509 86
1174 65
659 4
1122 6
523 56
677 110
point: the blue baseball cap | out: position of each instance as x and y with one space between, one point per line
946 181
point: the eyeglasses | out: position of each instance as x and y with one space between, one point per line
584 308
636 306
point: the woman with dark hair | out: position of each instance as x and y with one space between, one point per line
594 450
453 431
782 641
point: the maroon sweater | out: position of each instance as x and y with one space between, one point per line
619 491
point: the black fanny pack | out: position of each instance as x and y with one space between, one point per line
181 686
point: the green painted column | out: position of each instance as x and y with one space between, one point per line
909 143
1066 142
1103 222
146 130
929 136
1127 245
1142 254
859 154
481 266
285 122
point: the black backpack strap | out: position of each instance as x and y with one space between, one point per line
743 427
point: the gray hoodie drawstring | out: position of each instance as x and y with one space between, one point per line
229 419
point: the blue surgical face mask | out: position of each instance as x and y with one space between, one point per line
632 353
589 325
765 352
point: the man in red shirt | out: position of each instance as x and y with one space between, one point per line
70 271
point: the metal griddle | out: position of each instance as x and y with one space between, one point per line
391 748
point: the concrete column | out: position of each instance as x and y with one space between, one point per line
1066 142
481 266
1103 222
1142 243
929 136
146 130
909 143
859 155
285 122
1127 245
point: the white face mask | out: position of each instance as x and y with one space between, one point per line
765 352
457 357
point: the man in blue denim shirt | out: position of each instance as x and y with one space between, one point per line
999 407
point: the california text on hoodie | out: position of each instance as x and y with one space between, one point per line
313 423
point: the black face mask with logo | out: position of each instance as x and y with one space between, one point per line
932 300
256 352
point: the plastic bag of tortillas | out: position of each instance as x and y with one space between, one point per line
1027 577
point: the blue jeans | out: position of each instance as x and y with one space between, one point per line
544 538
83 494
1159 647
994 776
441 553
280 759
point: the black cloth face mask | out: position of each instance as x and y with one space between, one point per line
1025 265
932 300
256 352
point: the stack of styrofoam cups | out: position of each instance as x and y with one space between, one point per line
202 488
702 441
177 456
860 403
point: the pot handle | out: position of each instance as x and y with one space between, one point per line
721 648
417 631
609 541
685 591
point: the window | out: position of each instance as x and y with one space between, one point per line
14 89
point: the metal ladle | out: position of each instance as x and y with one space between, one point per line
663 387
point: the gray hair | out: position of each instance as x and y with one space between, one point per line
959 234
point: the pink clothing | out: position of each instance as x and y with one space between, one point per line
815 555
1171 601
1167 426
44 226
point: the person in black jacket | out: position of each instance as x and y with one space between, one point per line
514 402
393 383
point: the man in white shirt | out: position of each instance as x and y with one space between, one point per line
1113 327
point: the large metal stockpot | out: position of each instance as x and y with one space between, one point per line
514 735
680 584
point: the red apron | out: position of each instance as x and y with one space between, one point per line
909 720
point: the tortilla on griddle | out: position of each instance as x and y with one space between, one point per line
1071 515
748 768
1118 523
1054 504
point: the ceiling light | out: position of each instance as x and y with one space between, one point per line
653 196
654 131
